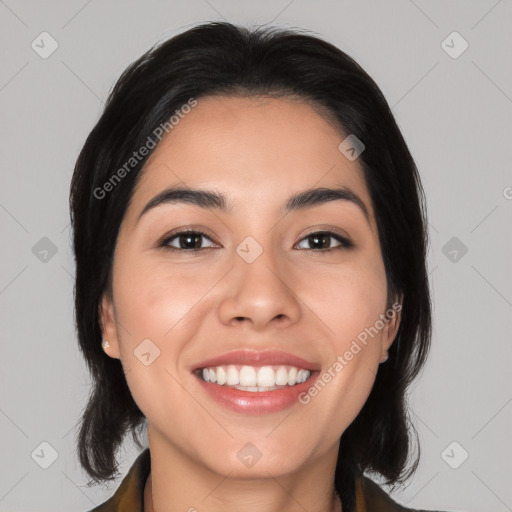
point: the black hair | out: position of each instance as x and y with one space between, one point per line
223 59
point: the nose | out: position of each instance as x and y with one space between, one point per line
260 293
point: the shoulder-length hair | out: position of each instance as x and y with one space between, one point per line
224 59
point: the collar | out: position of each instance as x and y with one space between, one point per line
129 497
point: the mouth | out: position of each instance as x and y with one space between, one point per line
254 379
256 383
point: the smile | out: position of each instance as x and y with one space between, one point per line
255 378
252 382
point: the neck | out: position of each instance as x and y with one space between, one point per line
335 505
173 479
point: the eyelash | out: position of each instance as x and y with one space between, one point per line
345 243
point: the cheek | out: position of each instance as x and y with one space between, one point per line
154 301
350 303
156 315
349 300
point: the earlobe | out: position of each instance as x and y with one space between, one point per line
108 327
390 331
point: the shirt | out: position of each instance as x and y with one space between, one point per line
129 497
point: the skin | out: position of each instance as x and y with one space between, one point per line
258 152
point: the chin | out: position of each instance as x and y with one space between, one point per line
258 459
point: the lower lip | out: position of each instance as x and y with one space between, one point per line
257 402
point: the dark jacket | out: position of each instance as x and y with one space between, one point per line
129 497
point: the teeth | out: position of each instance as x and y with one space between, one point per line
221 376
302 376
250 378
247 376
281 376
266 376
257 388
233 376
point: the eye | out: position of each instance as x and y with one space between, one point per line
321 239
190 240
186 240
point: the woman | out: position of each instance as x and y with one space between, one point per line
250 241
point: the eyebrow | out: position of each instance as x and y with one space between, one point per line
210 199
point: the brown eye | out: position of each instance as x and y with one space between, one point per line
320 241
188 240
185 241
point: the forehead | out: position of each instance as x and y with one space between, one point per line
256 149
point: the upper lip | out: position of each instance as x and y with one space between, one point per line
257 358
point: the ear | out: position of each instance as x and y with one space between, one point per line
108 325
390 330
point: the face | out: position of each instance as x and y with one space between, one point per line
261 295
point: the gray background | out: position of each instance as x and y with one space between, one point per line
455 114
